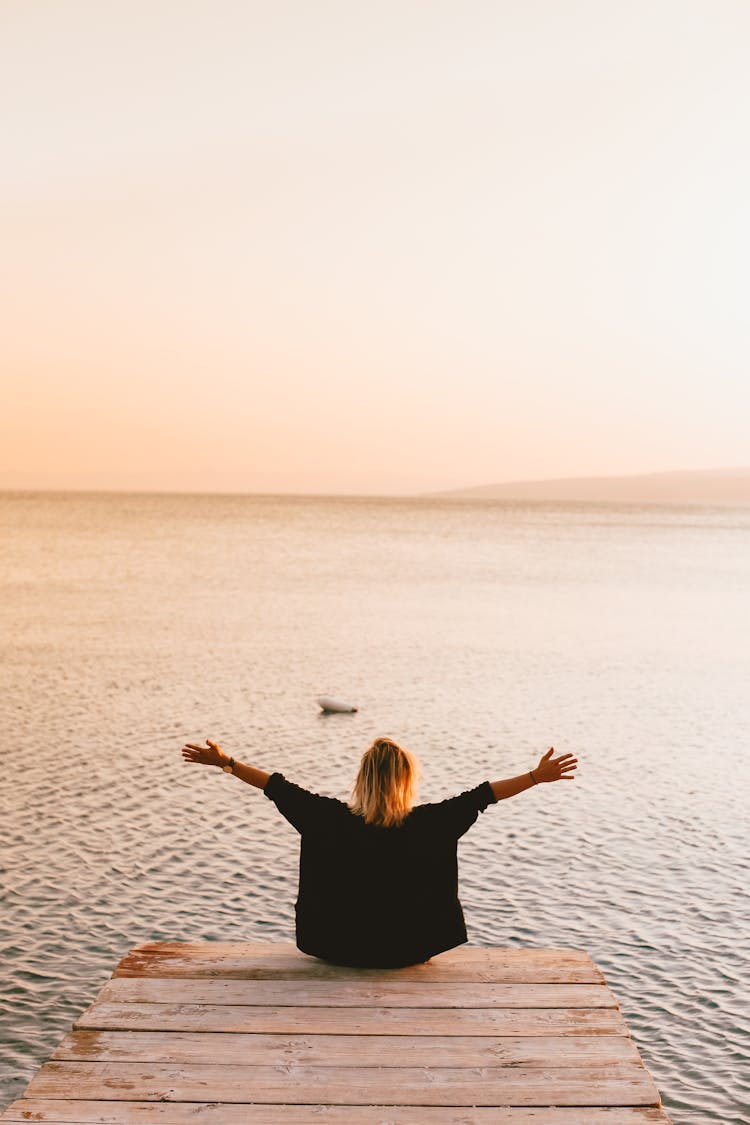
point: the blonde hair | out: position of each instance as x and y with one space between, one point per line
386 784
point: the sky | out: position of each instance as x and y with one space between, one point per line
371 248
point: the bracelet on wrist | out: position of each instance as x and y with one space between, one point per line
531 775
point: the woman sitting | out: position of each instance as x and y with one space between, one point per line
378 877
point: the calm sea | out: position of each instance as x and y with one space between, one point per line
478 634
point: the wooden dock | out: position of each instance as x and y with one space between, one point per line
230 1033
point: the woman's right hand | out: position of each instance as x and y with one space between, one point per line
555 769
208 755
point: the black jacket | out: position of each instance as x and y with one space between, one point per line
374 896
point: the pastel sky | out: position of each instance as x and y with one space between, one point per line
390 247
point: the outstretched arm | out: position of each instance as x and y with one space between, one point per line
213 755
549 769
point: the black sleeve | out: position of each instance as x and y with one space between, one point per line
303 809
457 814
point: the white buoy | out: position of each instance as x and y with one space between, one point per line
329 704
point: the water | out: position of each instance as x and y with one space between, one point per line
477 634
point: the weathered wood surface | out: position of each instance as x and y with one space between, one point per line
353 1021
204 1113
248 1033
261 961
339 1050
617 1084
357 994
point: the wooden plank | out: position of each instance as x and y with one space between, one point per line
202 1113
353 1021
240 960
618 1084
340 1050
282 951
356 993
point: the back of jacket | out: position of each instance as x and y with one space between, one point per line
377 896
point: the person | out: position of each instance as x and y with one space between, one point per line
378 877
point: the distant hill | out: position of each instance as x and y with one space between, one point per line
703 486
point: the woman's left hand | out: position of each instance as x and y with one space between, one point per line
208 755
555 769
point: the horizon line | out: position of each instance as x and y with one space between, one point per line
444 493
